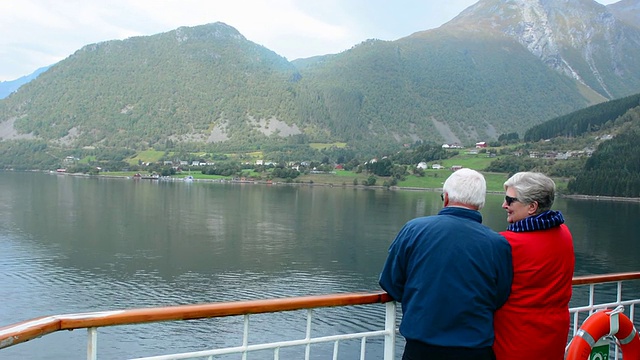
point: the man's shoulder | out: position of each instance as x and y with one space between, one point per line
422 220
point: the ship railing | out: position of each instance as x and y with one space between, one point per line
602 291
598 292
31 329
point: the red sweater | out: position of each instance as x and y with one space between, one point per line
534 322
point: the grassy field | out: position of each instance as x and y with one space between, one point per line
320 146
147 156
433 179
471 161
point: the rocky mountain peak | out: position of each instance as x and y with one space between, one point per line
217 30
575 37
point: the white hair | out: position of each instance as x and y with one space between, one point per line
466 186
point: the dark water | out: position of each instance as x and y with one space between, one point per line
74 244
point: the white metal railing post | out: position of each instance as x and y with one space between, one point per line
390 329
307 338
619 294
92 343
245 337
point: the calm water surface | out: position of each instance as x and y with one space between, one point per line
75 244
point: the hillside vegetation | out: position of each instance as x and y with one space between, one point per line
208 88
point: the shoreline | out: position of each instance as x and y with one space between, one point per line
600 197
379 187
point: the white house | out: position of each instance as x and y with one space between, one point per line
437 166
422 165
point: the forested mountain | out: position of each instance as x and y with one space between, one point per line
583 121
439 86
609 132
139 92
207 87
614 168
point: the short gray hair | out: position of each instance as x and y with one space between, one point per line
533 186
466 186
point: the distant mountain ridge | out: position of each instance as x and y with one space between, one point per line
500 66
7 87
627 11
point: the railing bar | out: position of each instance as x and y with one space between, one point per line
307 348
632 315
92 343
619 298
592 295
390 328
363 347
336 344
245 336
256 347
601 306
276 353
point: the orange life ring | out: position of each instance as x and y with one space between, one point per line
598 325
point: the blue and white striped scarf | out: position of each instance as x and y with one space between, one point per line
542 221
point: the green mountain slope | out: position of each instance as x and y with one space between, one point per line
178 85
437 86
614 168
584 120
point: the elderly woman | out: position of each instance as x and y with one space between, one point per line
534 322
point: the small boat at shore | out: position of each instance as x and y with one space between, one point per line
597 292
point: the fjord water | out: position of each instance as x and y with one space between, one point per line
77 244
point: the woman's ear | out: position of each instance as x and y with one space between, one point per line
532 208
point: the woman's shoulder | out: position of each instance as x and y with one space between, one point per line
552 234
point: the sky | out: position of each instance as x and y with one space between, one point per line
38 33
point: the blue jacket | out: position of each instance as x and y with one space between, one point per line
450 273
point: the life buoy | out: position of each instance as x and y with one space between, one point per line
604 323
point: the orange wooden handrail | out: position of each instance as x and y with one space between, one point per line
595 279
27 330
31 329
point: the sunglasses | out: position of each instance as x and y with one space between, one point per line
509 200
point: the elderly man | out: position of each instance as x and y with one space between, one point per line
451 274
